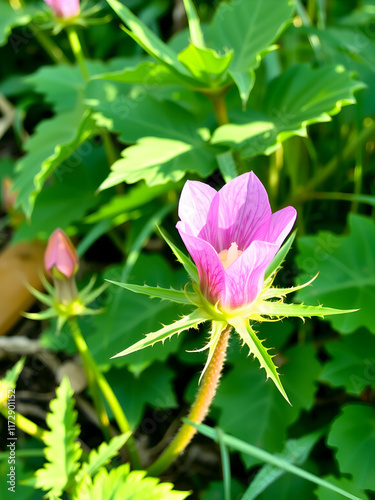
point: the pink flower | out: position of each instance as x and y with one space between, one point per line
232 237
60 258
64 8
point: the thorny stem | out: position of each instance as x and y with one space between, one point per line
98 402
106 390
199 409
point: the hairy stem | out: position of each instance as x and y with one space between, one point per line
199 408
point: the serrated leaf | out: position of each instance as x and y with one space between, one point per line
352 362
346 267
257 349
157 292
299 97
263 456
121 484
191 321
62 451
11 18
55 140
259 22
160 160
279 309
352 435
295 452
188 264
323 493
100 457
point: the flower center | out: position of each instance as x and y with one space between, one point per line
227 257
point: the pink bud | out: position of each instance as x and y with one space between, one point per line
60 258
8 196
64 8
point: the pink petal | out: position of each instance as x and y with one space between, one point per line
61 254
281 225
64 8
240 212
195 201
210 267
245 277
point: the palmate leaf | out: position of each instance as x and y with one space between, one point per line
100 457
257 349
191 321
62 451
178 296
346 266
121 484
54 141
353 436
299 97
248 28
264 456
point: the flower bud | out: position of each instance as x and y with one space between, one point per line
64 8
60 258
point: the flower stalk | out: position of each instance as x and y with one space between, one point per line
76 47
200 407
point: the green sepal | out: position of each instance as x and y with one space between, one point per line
190 268
281 292
280 256
191 321
179 296
40 316
280 309
42 297
256 347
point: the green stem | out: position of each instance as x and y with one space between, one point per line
98 403
109 148
220 107
53 50
107 392
199 408
77 50
26 425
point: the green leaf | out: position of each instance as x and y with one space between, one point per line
187 322
147 39
351 364
279 309
55 140
227 165
257 349
189 266
299 97
11 18
346 266
62 451
147 73
11 376
154 387
121 484
259 23
157 292
266 419
296 452
100 457
195 30
353 436
343 483
280 256
161 160
206 65
128 316
263 456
